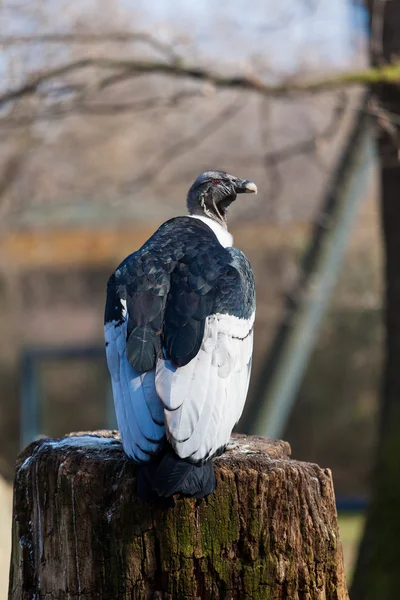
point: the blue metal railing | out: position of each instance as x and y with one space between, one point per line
31 395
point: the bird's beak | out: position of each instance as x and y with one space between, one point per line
245 187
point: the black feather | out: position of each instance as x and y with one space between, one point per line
183 343
175 475
142 347
179 277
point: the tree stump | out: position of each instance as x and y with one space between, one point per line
269 531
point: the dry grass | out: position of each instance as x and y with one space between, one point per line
351 528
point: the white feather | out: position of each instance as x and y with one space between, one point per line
205 398
182 422
199 445
137 404
223 235
231 396
171 388
124 309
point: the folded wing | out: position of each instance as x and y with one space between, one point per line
204 399
203 377
157 303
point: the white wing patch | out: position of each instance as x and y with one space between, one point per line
140 414
124 309
204 399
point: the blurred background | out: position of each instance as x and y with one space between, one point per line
109 110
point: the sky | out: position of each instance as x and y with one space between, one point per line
287 34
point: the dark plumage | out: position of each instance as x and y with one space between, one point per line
178 326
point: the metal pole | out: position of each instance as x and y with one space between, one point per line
295 340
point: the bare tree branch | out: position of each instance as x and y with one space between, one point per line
95 109
388 73
308 145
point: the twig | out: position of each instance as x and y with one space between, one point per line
310 144
274 157
99 109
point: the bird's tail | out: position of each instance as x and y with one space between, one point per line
173 475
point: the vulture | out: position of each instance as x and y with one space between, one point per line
178 326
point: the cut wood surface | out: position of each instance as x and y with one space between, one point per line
269 531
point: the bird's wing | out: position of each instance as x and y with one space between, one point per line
136 297
145 308
140 414
204 376
138 408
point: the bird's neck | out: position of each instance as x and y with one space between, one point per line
222 233
206 211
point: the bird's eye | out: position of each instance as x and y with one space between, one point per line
217 181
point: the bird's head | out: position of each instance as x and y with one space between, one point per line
213 192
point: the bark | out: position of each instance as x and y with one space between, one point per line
377 570
269 531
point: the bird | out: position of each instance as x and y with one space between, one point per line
178 327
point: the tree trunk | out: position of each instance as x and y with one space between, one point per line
377 570
269 531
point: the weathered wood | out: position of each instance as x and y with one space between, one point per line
269 531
